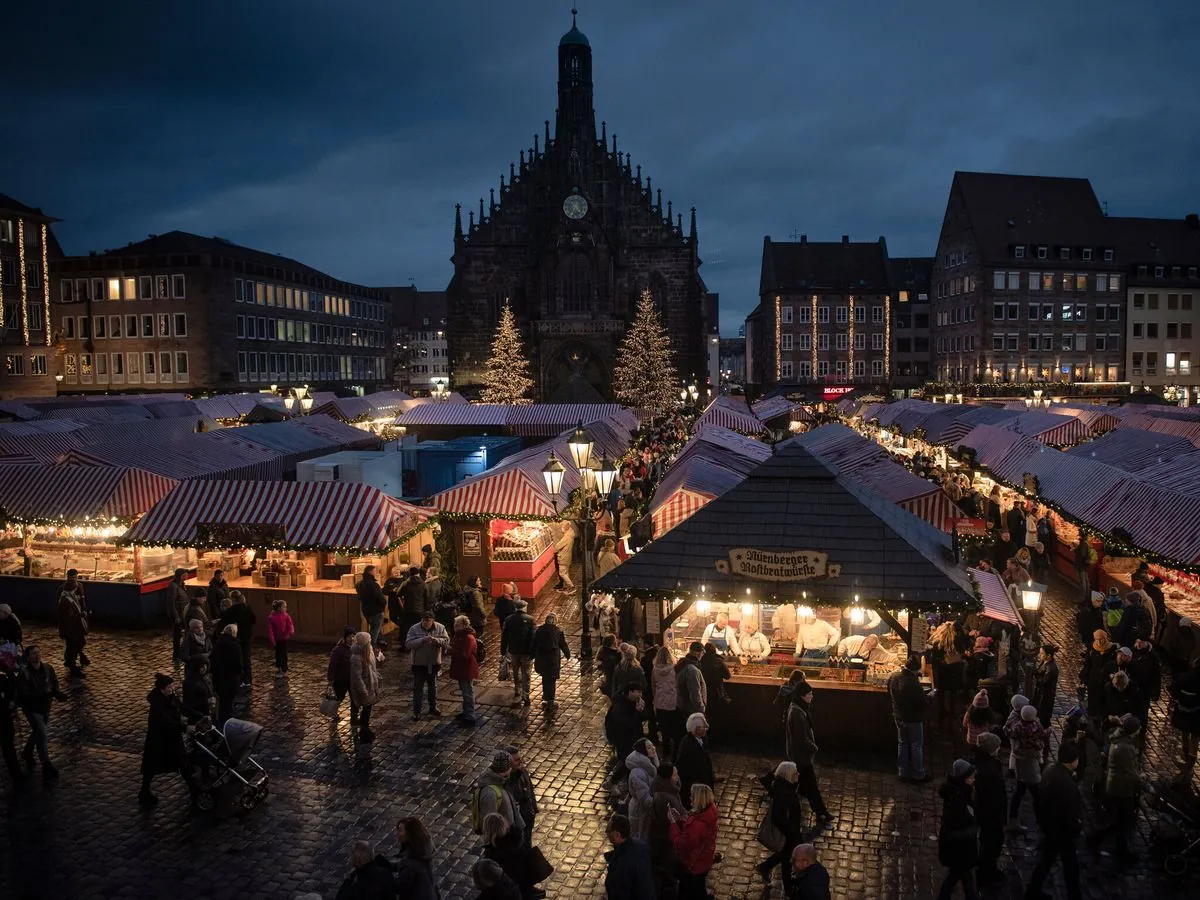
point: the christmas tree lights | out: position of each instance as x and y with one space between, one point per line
645 374
506 373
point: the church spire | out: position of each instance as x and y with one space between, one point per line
576 117
457 222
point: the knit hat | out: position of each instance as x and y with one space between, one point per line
1019 701
1125 651
520 605
981 701
695 647
1028 713
982 644
161 680
501 761
1113 592
961 769
988 742
1130 724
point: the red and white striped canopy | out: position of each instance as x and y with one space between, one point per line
997 604
312 514
35 493
680 506
512 491
1049 428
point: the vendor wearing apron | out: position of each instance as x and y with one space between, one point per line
815 639
722 636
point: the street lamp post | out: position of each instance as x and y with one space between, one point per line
597 477
1031 641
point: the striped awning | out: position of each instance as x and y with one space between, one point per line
299 515
724 417
72 493
549 419
511 492
1165 521
997 603
1132 449
678 507
935 507
1049 428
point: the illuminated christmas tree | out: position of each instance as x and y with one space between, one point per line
506 374
645 374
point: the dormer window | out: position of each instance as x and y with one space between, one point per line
1064 252
1019 251
1108 256
1087 253
1042 252
1158 271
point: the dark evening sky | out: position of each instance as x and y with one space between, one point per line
342 133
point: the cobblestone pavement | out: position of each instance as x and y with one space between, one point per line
86 837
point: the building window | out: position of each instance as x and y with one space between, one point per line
238 285
148 363
805 315
1035 281
242 366
860 341
1068 310
241 326
114 289
804 342
131 326
860 314
1080 312
1152 301
147 328
180 325
1101 310
98 328
1158 271
164 364
998 311
997 341
7 232
1152 363
1047 281
1035 312
133 365
1139 301
1012 342
806 370
1019 251
1136 361
177 287
575 285
1034 341
1108 256
785 315
1172 301
843 315
1102 282
877 368
1080 282
999 280
822 315
842 341
14 364
1185 363
130 292
66 291
839 368
822 342
785 369
145 287
877 315
85 365
1067 342
37 364
1114 313
785 342
877 341
68 327
1172 331
1152 331
1047 341
1068 281
1042 252
114 326
1064 252
1185 331
822 368
69 364
164 325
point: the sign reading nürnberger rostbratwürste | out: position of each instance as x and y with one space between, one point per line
779 565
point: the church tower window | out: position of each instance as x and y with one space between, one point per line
575 286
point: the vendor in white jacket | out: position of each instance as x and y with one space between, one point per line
755 645
720 634
815 638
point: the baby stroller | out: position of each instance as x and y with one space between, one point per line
227 751
1177 831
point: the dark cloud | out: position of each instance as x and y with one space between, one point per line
343 133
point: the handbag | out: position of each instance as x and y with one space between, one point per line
504 667
329 705
769 834
537 866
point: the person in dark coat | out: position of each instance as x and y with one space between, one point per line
241 615
503 844
549 650
788 816
664 791
810 879
504 606
991 806
391 591
608 659
163 751
73 624
493 882
9 685
371 878
692 760
10 626
801 746
178 600
197 693
218 590
630 875
197 646
1045 683
1098 665
715 673
372 603
1059 805
1185 717
226 672
36 688
1146 673
958 835
624 721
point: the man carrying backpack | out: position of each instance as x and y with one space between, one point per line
517 638
491 795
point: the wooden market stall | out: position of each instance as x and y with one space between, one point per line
303 542
819 563
64 517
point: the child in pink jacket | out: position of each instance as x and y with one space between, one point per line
280 629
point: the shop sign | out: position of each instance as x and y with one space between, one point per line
472 545
832 393
241 534
399 527
778 565
972 527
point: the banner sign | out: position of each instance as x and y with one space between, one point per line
778 565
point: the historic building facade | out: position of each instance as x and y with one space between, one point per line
27 246
573 238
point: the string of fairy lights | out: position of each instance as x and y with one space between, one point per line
24 280
45 289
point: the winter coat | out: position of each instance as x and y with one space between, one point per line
504 804
163 750
516 637
413 595
519 785
72 619
1028 742
1185 691
503 607
338 671
627 675
195 648
471 606
694 766
1059 804
226 665
364 678
786 811
623 725
197 696
504 889
1146 673
391 593
1123 779
370 596
976 722
510 853
280 627
178 600
642 772
374 881
241 615
1097 667
958 846
715 673
10 630
695 840
1119 703
663 686
629 875
608 659
990 800
801 743
907 695
691 690
664 796
37 687
423 652
464 666
1045 687
811 884
415 879
196 611
549 650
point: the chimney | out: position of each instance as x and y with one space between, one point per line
845 238
1192 222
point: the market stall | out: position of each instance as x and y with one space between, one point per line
306 543
819 564
70 517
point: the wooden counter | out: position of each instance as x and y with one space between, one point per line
320 610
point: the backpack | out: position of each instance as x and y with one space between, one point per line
476 818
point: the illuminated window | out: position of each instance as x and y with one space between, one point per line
114 289
130 289
1170 362
37 364
904 296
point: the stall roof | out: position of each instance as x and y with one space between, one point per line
1134 450
794 503
189 456
997 602
774 407
961 426
727 440
488 415
71 493
732 413
311 514
549 419
1184 428
1049 427
1162 520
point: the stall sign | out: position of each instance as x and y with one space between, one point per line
831 393
974 527
241 534
779 565
400 526
471 544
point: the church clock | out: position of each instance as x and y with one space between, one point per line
575 207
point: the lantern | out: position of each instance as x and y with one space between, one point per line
580 446
1031 596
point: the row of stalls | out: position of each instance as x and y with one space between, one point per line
803 555
504 526
306 544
